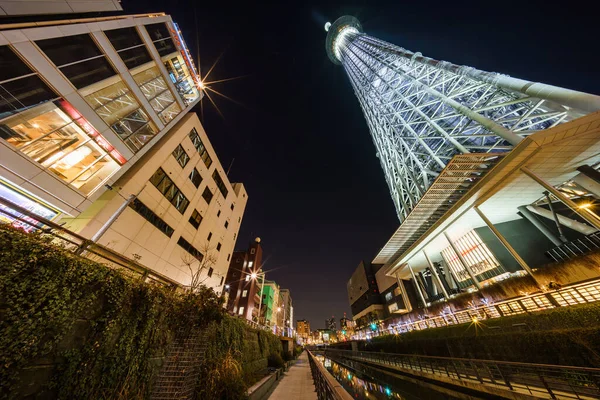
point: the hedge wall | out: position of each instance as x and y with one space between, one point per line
568 336
73 328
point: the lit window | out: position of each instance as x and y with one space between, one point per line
244 293
241 310
181 156
247 278
252 251
393 307
156 91
250 263
388 296
195 219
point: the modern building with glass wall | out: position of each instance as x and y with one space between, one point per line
81 100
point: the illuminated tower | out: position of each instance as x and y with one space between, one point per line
421 112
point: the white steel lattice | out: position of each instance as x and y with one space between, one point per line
421 112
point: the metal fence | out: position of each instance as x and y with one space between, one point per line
539 380
575 248
80 245
326 386
588 292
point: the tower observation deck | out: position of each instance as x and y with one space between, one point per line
421 112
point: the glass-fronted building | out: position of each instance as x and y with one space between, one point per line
82 100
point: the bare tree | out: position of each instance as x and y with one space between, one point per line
205 260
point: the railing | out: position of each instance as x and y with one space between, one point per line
588 292
77 244
539 380
575 248
326 386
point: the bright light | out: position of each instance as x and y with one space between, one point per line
226 286
585 205
278 309
373 326
253 275
475 320
201 84
327 26
340 40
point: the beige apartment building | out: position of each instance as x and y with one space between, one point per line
182 214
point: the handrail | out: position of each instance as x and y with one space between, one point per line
540 380
80 242
327 387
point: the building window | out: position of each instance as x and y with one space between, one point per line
200 148
234 236
49 130
220 284
232 206
195 219
82 62
250 263
226 224
151 217
241 310
220 184
239 219
244 293
393 307
207 195
196 178
219 213
165 185
180 71
209 236
219 246
181 156
252 251
388 296
228 256
210 272
129 46
190 249
156 91
247 278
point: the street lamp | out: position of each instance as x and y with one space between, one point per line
254 276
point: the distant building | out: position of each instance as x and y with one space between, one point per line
287 316
244 279
270 304
303 329
363 295
330 323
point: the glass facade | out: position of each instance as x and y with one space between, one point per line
81 61
26 201
166 186
197 142
156 91
174 58
478 257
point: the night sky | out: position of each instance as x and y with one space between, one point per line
317 195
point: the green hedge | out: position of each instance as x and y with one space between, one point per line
73 328
568 336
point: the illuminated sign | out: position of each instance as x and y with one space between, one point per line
26 201
186 54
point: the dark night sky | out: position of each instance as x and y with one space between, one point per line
317 195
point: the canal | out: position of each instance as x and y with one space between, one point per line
368 384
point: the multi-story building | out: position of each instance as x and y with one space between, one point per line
184 216
12 7
82 101
270 304
303 329
95 134
287 314
244 279
330 323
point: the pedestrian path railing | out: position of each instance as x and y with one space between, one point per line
575 248
326 386
581 293
539 380
24 219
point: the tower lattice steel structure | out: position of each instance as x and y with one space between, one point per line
421 112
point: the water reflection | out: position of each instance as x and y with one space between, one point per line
361 386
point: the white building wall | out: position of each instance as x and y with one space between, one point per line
135 237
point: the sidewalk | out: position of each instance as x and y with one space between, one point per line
297 382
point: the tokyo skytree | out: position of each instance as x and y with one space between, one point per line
421 112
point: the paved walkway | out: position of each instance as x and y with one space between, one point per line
297 382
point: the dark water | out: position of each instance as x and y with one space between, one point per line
371 385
